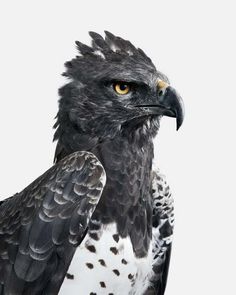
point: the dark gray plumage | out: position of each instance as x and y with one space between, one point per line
111 107
41 227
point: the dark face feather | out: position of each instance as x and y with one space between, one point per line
90 104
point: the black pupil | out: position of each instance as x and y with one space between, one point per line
123 87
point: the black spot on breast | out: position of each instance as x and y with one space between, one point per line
155 257
94 236
116 271
89 265
124 261
91 248
158 204
110 294
130 276
103 285
114 250
93 293
160 187
166 229
102 262
69 276
116 238
155 220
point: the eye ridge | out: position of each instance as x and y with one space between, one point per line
121 88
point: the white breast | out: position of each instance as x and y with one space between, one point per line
107 266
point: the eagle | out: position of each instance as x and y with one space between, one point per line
100 220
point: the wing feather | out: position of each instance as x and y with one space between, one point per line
41 227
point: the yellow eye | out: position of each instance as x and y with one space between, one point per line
121 88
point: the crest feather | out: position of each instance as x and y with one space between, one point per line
98 42
111 47
84 49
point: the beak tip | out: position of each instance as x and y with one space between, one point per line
180 114
177 127
179 120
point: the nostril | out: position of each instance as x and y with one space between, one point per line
160 93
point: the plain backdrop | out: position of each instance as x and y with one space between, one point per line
193 43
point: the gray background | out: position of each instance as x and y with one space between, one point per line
193 42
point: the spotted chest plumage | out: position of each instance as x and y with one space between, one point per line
105 264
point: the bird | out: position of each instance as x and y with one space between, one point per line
100 220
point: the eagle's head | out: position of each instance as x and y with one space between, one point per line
114 89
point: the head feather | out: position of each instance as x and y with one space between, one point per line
111 47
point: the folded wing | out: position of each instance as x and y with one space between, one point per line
41 227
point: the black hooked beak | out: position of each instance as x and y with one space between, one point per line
169 103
